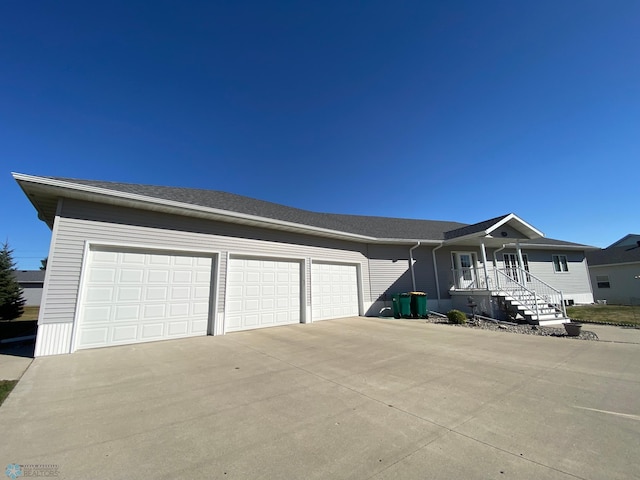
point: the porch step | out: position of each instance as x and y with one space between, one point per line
525 305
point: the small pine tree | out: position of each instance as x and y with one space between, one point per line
11 298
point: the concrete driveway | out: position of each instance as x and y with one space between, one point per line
351 398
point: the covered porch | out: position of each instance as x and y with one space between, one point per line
500 287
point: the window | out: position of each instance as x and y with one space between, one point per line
560 263
603 281
511 265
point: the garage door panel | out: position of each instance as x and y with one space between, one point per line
124 334
158 276
154 311
97 314
93 337
125 313
334 290
178 328
133 258
104 294
104 275
132 297
152 331
129 294
262 293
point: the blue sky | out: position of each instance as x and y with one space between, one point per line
448 110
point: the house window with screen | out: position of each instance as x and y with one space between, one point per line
560 263
603 281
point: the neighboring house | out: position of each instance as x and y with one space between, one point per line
133 263
31 282
615 271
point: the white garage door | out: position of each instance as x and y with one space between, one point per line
262 293
334 291
132 296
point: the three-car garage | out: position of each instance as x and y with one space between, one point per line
133 295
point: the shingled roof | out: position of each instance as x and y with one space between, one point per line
380 228
474 228
614 255
29 276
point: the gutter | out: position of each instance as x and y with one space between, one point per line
180 208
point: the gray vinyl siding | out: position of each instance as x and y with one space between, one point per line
32 294
423 268
575 281
389 271
82 221
624 284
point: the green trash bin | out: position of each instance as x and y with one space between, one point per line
402 305
395 301
419 305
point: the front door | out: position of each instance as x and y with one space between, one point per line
464 269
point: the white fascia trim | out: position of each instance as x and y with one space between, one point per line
170 203
214 211
552 247
486 233
513 216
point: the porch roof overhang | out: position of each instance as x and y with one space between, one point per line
508 229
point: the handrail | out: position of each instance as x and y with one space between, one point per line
533 292
552 296
545 285
520 288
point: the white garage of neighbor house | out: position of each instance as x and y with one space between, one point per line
133 263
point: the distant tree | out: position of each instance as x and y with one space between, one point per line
43 263
11 299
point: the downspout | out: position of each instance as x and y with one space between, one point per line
435 271
413 275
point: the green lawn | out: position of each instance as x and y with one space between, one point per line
5 388
620 314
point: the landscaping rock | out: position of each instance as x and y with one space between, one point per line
526 329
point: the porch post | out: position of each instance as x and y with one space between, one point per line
523 278
483 251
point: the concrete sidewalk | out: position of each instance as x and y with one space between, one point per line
14 360
612 333
351 398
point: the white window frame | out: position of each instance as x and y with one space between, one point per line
560 266
510 261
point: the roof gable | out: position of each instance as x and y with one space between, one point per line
517 228
630 240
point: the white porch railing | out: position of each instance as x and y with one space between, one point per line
470 279
520 284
